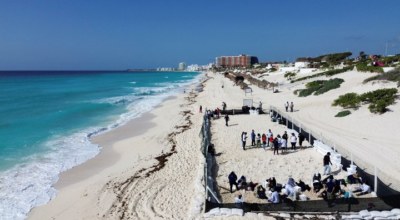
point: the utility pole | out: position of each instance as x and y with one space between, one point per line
386 49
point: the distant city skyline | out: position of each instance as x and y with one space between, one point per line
87 35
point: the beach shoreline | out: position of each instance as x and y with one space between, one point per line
167 180
131 150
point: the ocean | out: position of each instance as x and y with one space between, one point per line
47 119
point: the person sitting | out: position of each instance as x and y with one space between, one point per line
272 183
251 186
337 190
317 176
324 181
265 184
239 200
275 198
317 185
330 185
363 189
354 178
303 186
260 192
289 187
242 182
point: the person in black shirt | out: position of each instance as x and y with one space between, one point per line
232 180
327 162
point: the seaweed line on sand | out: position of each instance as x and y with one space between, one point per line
121 206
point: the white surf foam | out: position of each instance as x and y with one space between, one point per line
30 184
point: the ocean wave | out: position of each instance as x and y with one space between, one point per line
30 184
119 100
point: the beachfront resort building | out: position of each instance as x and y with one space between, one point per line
236 61
182 66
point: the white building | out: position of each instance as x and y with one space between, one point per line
301 64
182 66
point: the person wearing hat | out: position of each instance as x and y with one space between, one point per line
327 163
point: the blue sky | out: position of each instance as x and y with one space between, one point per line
96 34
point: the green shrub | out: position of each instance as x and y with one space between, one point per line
329 85
348 100
378 100
289 75
378 107
335 58
320 87
343 113
363 67
393 75
315 84
306 92
326 73
380 94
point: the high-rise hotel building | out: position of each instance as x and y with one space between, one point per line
236 61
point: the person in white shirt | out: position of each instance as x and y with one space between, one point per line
269 135
363 189
275 198
239 200
244 137
293 141
283 144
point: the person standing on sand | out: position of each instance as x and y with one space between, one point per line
232 180
201 109
301 139
286 106
285 138
264 141
327 162
258 139
223 106
269 135
244 137
293 141
226 119
253 138
291 107
276 146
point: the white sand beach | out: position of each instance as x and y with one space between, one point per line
126 182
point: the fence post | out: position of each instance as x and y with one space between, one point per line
287 119
292 123
376 181
351 158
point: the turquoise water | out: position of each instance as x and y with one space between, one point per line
46 119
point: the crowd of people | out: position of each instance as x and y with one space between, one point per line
269 189
328 188
268 139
